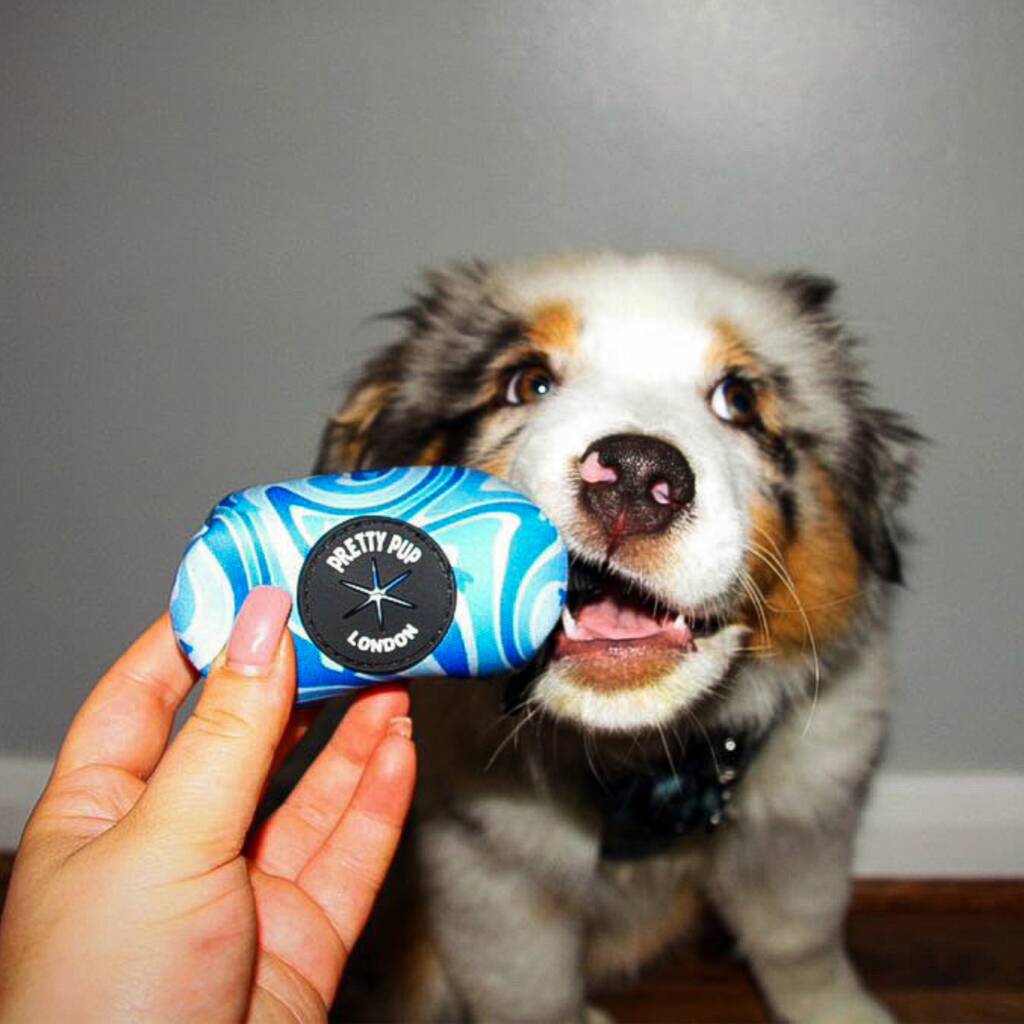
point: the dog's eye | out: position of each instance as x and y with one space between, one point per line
735 401
528 384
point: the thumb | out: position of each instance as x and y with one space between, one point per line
202 797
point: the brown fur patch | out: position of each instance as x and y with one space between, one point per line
432 452
729 350
822 566
494 445
497 464
349 429
555 327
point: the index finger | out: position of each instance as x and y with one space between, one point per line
126 720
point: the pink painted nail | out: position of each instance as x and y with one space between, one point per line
400 726
258 630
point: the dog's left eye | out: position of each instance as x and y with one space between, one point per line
735 401
528 384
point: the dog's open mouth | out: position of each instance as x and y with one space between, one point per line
610 616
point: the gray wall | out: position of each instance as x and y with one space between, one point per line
202 203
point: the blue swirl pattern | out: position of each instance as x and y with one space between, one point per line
510 567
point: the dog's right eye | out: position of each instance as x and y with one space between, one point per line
529 384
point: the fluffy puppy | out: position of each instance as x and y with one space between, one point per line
707 716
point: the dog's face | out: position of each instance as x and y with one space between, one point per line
700 440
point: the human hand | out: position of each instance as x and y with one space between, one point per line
135 893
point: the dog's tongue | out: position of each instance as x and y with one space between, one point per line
607 619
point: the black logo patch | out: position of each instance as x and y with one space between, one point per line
376 594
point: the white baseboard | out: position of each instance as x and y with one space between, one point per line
968 825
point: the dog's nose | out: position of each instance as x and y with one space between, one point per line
634 484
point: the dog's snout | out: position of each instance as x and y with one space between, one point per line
634 484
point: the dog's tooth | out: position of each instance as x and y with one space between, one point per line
679 622
572 630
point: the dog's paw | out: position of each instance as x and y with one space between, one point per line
857 1008
595 1015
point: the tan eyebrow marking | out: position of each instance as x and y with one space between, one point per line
729 350
555 325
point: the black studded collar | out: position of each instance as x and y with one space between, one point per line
645 813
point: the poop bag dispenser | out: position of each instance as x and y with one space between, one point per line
394 574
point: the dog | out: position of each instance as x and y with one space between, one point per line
705 721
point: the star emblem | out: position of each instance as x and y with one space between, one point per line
378 593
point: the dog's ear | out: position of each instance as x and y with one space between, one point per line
345 441
879 471
876 471
812 293
410 405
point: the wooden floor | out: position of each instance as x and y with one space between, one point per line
935 952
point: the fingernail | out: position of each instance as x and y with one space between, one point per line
400 726
258 630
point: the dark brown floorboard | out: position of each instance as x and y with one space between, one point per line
934 952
